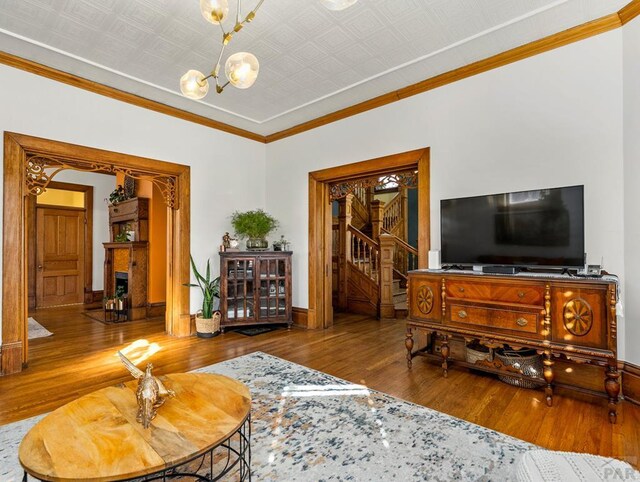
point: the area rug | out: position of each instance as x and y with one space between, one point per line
311 426
36 330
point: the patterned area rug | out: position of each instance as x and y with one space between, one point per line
36 330
311 426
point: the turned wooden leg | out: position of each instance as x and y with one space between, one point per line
444 351
408 342
548 376
612 386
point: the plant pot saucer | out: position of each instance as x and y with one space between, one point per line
207 335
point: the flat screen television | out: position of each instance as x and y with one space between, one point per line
540 228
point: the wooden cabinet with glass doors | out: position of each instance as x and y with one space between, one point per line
255 288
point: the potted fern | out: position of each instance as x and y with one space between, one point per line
254 226
208 318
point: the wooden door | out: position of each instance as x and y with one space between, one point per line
59 256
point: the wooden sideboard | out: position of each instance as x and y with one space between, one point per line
561 317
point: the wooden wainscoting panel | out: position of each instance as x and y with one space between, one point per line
631 382
300 317
155 310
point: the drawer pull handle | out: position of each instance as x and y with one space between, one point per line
462 314
520 294
461 289
522 322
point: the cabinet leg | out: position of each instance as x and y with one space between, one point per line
444 351
612 386
408 342
548 376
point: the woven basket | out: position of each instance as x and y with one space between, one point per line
474 356
526 360
208 327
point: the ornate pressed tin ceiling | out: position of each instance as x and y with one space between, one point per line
313 61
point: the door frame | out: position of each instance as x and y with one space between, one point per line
32 234
17 148
320 311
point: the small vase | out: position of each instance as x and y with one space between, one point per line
257 244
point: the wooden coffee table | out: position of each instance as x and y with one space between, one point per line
97 438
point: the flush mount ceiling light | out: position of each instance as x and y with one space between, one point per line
337 5
241 69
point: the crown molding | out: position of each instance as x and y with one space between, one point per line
560 39
629 12
581 32
97 88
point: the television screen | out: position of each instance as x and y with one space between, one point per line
544 227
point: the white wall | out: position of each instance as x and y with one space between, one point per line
551 120
227 171
102 184
631 57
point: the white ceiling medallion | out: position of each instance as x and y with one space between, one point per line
241 69
337 5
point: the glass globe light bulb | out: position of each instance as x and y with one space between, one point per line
337 5
242 69
194 85
214 11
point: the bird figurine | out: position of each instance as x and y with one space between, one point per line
151 392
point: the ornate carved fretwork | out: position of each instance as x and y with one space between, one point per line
41 170
401 179
425 299
578 317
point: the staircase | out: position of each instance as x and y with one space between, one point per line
371 257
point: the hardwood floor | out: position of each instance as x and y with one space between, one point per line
80 358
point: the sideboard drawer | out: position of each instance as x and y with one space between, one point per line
518 293
488 317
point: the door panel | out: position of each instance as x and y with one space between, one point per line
59 257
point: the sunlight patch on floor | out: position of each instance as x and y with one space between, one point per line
140 350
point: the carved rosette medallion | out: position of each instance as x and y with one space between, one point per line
425 299
578 317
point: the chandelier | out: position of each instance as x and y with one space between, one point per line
241 69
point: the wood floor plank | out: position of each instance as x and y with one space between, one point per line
80 358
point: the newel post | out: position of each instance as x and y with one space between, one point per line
344 251
387 247
377 218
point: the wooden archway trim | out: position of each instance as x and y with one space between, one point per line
17 148
320 311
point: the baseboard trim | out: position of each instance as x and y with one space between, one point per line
11 358
300 317
96 296
156 309
631 382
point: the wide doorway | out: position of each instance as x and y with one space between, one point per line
358 250
58 258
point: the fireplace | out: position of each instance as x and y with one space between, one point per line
122 283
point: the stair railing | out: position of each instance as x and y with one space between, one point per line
393 216
405 256
359 210
365 253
